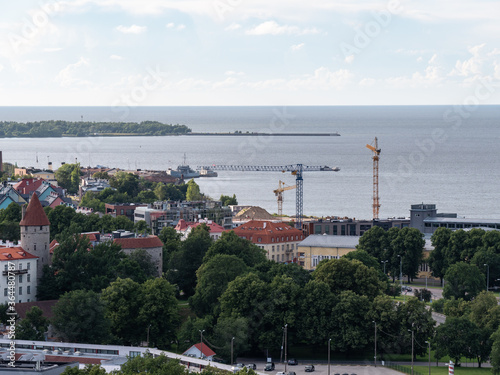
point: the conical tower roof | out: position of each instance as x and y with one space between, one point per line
35 215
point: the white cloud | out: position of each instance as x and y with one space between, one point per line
54 49
273 28
349 59
68 76
297 47
116 57
1 67
234 26
367 82
134 29
172 25
471 66
233 73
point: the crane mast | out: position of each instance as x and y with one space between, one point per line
376 156
279 193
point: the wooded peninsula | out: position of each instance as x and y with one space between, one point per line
61 128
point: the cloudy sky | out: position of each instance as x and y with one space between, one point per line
249 52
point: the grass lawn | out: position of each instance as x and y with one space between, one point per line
443 370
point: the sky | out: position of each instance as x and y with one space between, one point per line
249 52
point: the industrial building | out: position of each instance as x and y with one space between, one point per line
350 227
426 219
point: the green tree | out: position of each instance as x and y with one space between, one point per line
441 240
495 351
68 177
374 242
229 243
225 330
352 331
159 365
213 277
33 326
79 317
414 316
158 311
226 200
456 338
160 191
171 243
126 183
123 305
409 244
88 370
184 262
193 192
343 274
463 280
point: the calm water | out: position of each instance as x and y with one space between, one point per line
433 154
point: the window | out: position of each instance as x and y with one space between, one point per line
20 279
342 230
20 266
272 239
20 290
292 246
283 247
41 227
34 247
28 289
317 229
5 267
287 247
327 229
28 277
271 258
28 266
5 291
272 248
335 230
259 239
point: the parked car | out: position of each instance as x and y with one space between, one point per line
309 368
269 366
293 362
240 365
291 373
252 366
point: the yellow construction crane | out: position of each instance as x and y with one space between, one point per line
279 193
376 201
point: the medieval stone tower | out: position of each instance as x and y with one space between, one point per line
35 232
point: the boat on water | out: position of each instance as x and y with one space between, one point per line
183 171
207 172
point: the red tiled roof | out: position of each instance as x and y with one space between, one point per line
35 215
139 242
53 245
183 225
27 185
14 253
45 306
214 227
207 352
268 232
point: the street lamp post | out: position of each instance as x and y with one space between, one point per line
384 262
375 356
232 340
286 338
329 341
148 334
487 278
429 350
400 271
411 350
201 343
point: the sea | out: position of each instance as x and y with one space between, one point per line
443 155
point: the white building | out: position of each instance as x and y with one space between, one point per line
197 349
19 268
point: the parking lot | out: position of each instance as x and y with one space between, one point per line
322 369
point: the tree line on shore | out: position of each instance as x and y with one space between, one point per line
60 128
